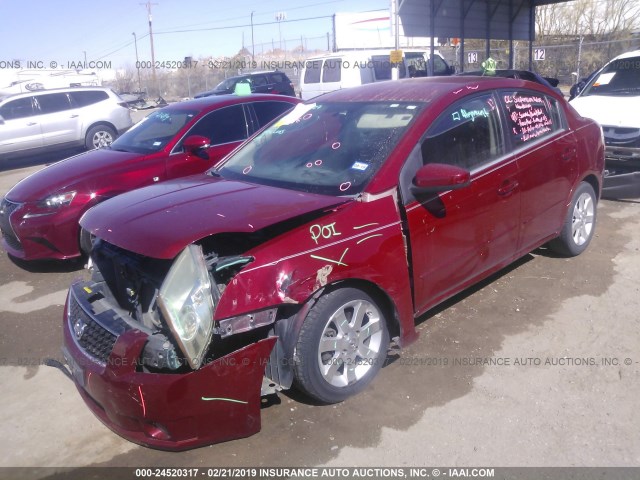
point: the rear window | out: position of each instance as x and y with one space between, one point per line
312 71
83 98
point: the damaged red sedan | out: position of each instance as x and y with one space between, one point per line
300 259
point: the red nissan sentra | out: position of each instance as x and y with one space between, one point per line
305 253
39 216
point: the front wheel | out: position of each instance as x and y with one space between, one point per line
100 136
341 346
579 225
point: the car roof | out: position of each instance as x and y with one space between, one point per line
367 53
633 53
218 101
54 90
424 89
250 74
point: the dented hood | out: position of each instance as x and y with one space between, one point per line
160 220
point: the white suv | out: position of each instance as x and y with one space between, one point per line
54 119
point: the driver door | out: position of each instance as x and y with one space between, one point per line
456 236
226 128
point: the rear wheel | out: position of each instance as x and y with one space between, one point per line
100 136
341 346
579 225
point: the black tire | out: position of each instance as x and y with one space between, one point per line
99 136
86 242
332 370
579 225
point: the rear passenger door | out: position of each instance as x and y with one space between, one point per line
458 235
547 160
60 122
226 128
19 127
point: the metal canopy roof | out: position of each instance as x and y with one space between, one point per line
494 19
488 19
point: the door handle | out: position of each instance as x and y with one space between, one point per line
75 116
507 187
31 124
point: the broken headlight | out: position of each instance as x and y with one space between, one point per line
186 302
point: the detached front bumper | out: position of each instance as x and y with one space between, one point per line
218 402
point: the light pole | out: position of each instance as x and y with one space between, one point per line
280 17
253 52
135 43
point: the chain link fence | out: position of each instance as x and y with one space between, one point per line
566 59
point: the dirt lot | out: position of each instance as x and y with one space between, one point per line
539 366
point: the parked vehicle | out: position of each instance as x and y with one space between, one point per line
39 216
259 82
550 82
61 118
350 69
303 254
612 98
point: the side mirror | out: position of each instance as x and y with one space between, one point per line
196 144
1 120
439 177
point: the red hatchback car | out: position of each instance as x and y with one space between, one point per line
301 257
39 216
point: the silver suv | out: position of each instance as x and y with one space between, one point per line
54 119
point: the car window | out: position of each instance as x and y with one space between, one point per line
530 115
312 71
328 148
18 108
258 80
277 78
439 66
53 102
224 125
153 132
82 98
331 70
267 111
382 67
619 77
467 135
227 84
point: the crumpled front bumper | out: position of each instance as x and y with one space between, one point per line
218 402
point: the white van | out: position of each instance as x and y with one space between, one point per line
350 69
612 98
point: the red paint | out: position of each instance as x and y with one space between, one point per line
412 247
100 174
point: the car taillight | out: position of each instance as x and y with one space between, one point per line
123 104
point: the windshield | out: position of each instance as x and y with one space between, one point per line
325 148
228 84
154 131
620 77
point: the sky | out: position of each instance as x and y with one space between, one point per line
46 31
